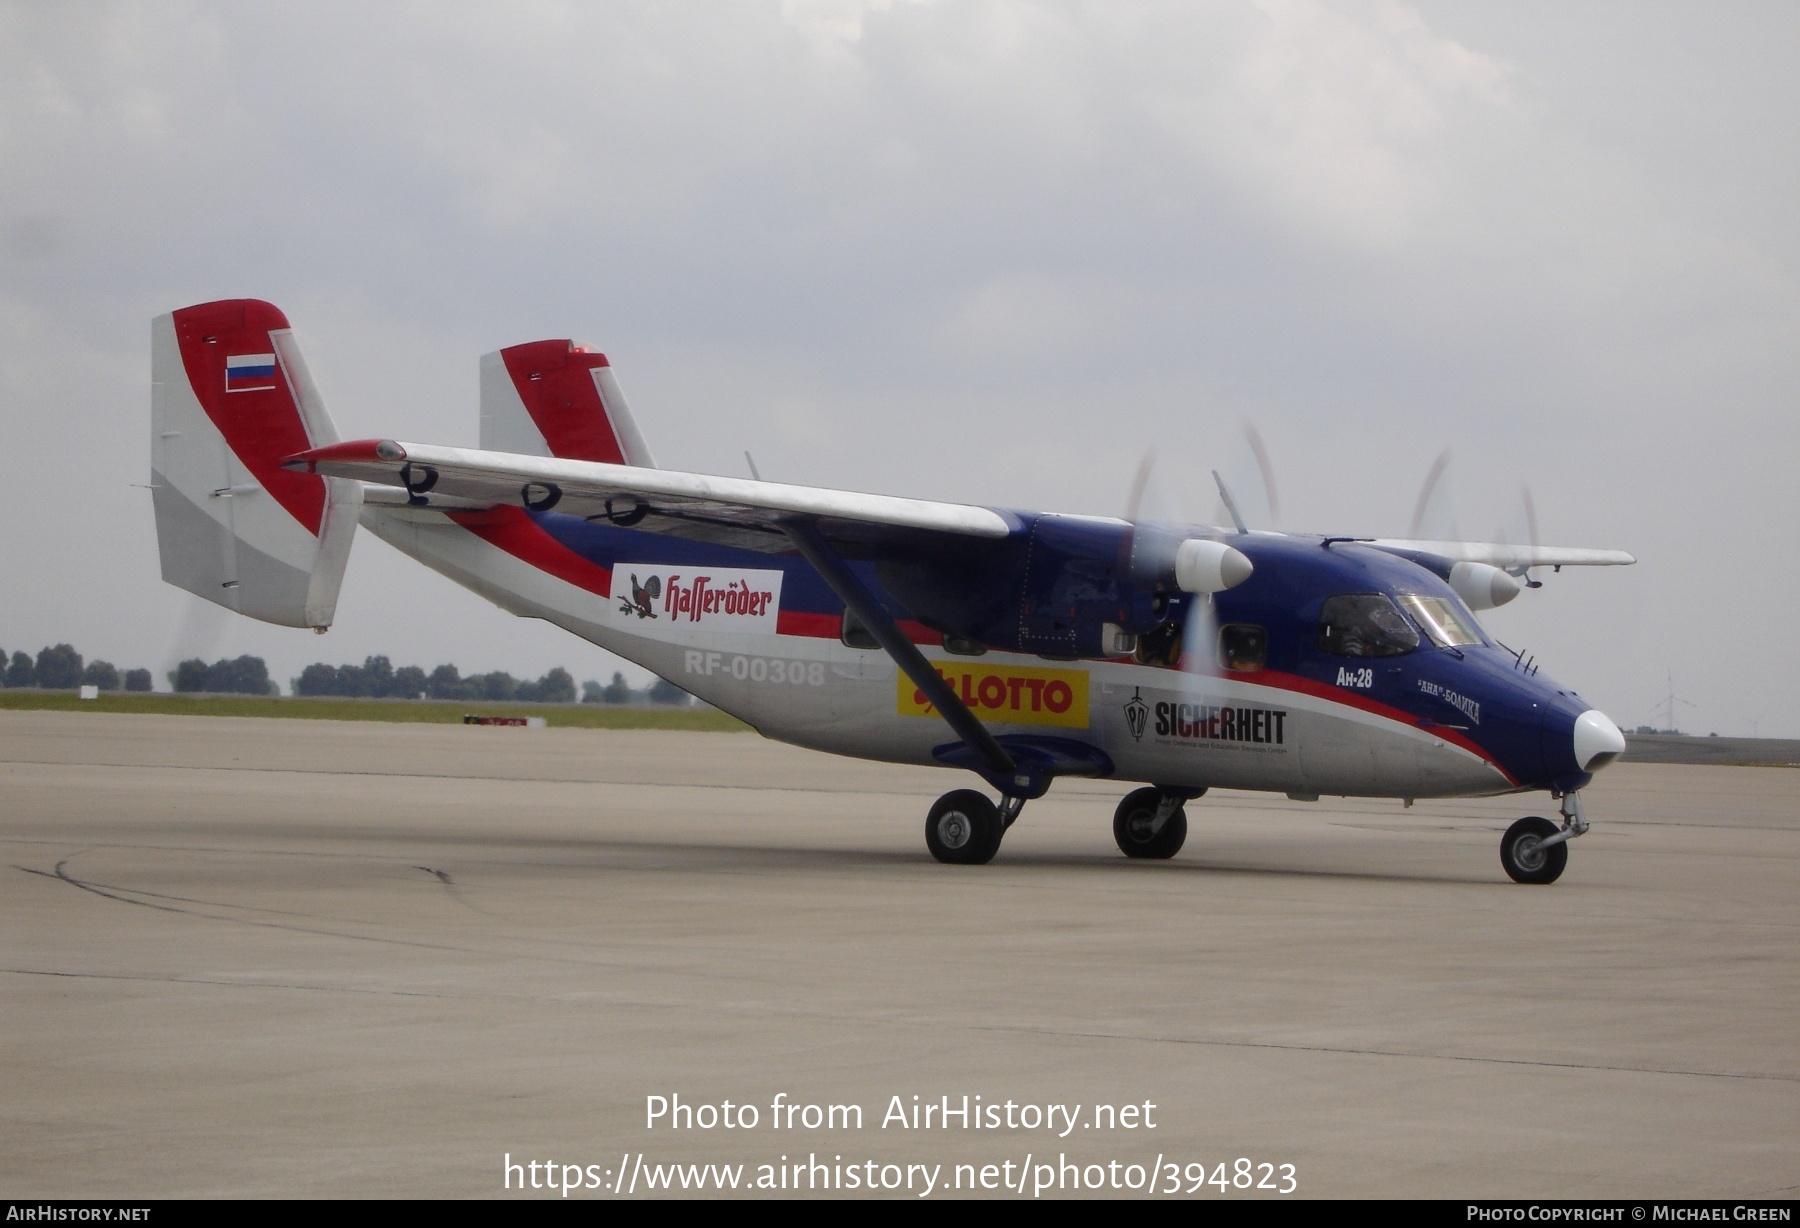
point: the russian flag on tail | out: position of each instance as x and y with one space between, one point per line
249 372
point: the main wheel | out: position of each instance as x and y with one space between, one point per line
1132 823
1523 854
963 829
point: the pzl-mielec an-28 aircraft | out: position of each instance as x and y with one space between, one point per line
1018 645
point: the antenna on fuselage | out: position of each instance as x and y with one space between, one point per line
751 461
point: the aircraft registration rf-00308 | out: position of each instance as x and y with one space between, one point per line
1017 645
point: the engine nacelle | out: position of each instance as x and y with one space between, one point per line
1481 586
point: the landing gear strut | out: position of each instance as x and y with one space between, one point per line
1535 850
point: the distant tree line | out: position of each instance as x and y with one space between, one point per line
60 668
376 678
247 675
618 691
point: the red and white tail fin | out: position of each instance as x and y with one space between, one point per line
556 398
230 398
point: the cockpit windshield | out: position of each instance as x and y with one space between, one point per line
1446 621
1364 625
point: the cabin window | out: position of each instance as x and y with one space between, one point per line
1446 621
1364 625
856 633
1161 645
1243 648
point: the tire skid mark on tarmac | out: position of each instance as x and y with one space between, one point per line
880 862
62 874
158 895
598 963
195 980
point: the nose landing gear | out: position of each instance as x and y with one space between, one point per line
1535 850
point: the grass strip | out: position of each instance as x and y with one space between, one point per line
424 711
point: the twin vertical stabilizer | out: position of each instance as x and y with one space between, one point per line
556 398
230 398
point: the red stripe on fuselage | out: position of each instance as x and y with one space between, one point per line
1331 694
831 626
512 530
813 626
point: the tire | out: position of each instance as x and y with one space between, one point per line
1524 858
1131 827
963 829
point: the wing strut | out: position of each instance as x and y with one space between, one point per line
813 547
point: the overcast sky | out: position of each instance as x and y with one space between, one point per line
989 252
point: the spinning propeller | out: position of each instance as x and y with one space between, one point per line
1186 561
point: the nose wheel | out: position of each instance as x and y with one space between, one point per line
1535 850
1525 855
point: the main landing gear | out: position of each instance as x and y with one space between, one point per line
964 828
1151 824
1535 850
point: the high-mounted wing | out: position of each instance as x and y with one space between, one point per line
1514 559
729 511
767 516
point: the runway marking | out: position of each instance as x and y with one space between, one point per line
1354 1052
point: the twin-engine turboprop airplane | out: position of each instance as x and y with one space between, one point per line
1018 645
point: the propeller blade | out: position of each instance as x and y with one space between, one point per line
1247 493
1434 515
1263 464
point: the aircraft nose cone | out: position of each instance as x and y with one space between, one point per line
1597 740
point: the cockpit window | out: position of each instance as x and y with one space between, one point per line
1364 625
1445 621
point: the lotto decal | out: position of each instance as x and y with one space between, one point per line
1008 694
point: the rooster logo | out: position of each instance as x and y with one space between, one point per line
641 597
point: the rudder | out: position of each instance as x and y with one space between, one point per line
557 398
231 397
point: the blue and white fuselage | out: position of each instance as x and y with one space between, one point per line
1019 645
1431 721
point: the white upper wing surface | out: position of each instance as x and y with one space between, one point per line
624 495
1511 558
